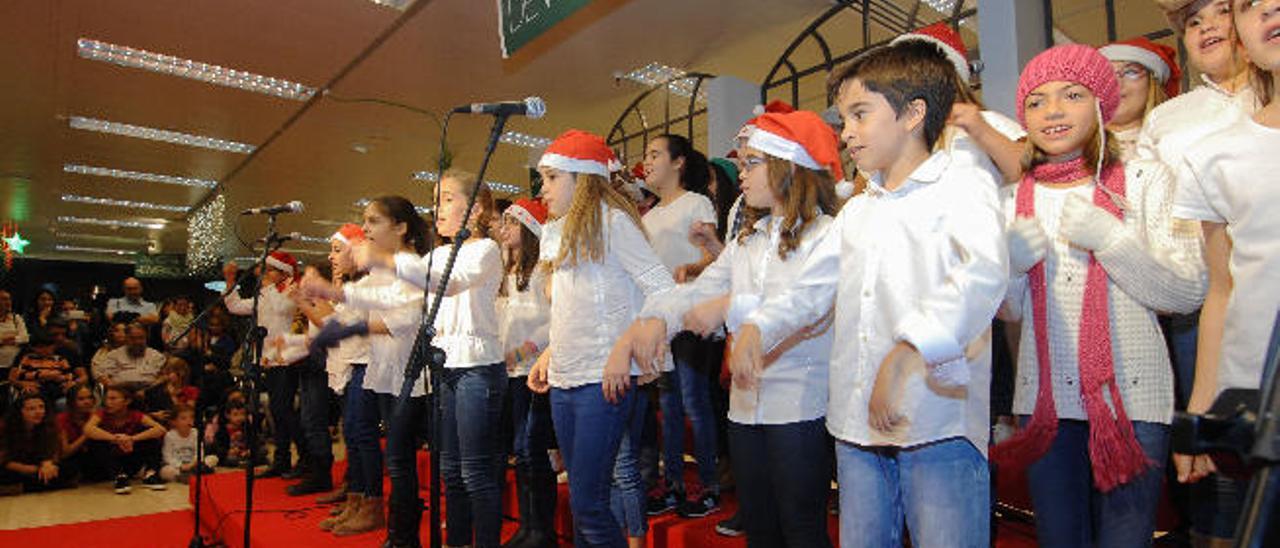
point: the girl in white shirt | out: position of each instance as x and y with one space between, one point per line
777 430
1230 188
524 315
392 229
602 270
1094 253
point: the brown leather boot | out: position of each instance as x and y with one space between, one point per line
336 496
349 509
370 517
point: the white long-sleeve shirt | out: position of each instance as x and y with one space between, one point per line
1152 267
351 350
525 316
793 387
926 264
467 325
275 312
13 326
593 303
398 304
179 451
1181 124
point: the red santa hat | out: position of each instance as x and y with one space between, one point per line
948 40
1160 59
283 261
776 106
348 234
531 213
577 151
800 137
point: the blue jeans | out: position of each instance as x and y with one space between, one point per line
628 495
1180 334
360 431
688 391
403 418
590 430
471 453
942 490
1070 511
531 426
313 396
784 479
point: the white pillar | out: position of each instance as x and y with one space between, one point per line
730 102
1010 33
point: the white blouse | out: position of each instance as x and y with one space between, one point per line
1153 267
398 305
593 303
467 325
276 312
351 350
525 316
793 386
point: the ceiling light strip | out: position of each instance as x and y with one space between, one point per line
524 140
431 177
195 70
85 249
162 135
111 202
139 176
114 223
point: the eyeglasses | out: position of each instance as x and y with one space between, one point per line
752 161
1132 74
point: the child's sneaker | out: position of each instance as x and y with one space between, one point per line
701 505
661 501
122 485
153 481
731 527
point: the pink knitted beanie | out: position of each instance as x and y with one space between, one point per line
1071 63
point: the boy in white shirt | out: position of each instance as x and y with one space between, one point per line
180 446
915 268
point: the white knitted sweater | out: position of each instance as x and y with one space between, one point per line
1155 266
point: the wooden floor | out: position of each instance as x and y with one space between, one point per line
90 502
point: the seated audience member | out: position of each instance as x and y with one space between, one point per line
41 311
126 441
176 322
180 445
115 339
131 307
75 462
57 329
173 390
29 449
134 366
76 320
229 443
42 370
13 332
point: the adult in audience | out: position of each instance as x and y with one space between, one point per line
29 449
115 339
43 371
13 331
41 311
132 307
75 462
135 365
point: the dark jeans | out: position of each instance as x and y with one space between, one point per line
1071 512
590 430
532 434
688 392
282 386
32 484
145 454
472 452
403 418
360 431
313 390
783 473
628 498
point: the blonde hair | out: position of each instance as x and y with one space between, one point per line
481 221
583 237
802 193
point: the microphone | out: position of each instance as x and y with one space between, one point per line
291 207
533 107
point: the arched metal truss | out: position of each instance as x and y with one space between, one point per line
678 115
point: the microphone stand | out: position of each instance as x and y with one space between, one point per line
196 540
427 355
251 362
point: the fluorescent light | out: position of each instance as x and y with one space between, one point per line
101 237
312 239
364 202
524 140
123 203
393 4
495 186
139 176
655 74
195 70
162 135
114 223
83 249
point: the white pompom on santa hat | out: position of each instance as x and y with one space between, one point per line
578 151
948 40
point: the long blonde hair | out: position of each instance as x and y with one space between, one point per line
583 237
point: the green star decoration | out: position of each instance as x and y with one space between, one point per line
16 243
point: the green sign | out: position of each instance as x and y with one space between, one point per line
521 21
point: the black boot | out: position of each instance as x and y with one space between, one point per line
525 505
318 479
543 493
404 524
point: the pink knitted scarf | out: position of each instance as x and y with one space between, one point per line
1114 451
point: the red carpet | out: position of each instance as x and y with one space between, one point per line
168 530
